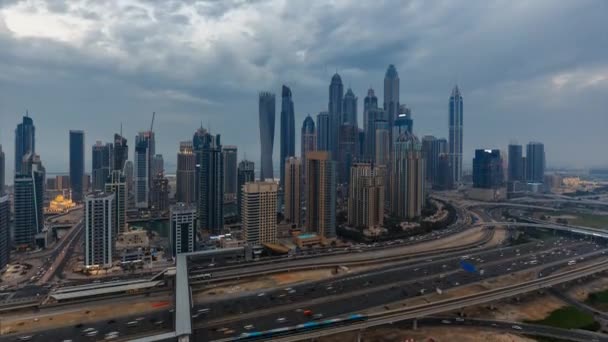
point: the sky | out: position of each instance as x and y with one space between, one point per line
528 70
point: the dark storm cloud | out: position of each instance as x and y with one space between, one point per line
527 69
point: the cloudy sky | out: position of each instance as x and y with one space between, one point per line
528 70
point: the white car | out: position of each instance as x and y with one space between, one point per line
517 327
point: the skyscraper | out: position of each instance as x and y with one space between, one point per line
197 146
323 132
128 171
99 222
336 94
259 212
5 234
487 169
29 200
443 176
516 163
183 229
432 148
2 171
535 162
230 172
321 194
186 171
158 166
245 175
25 141
142 169
455 138
382 143
267 119
77 164
407 179
159 193
349 109
121 152
102 157
366 195
370 102
349 151
293 191
288 130
116 184
391 100
309 140
211 201
373 115
403 121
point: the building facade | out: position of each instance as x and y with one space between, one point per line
407 178
366 195
29 201
535 162
321 194
370 102
259 212
246 174
267 120
308 140
456 134
99 238
391 99
487 169
373 115
230 172
288 131
101 164
336 96
293 191
121 152
349 109
159 194
516 170
25 141
2 171
117 185
185 173
323 132
5 234
77 165
142 169
211 192
183 229
349 151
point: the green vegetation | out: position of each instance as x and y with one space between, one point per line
579 219
598 300
569 317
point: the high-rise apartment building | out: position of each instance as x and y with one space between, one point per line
5 234
121 152
349 151
321 194
403 121
77 165
143 172
159 193
382 143
407 178
288 131
323 132
230 172
267 119
373 115
2 171
246 174
535 162
185 173
487 169
432 148
99 221
129 177
455 136
366 195
29 201
259 212
183 229
391 100
349 109
116 184
25 141
516 170
370 102
158 166
336 95
211 192
293 191
308 140
102 158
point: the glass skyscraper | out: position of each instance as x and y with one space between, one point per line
77 164
25 141
288 131
267 120
535 162
455 136
336 95
487 169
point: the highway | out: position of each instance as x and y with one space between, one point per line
374 289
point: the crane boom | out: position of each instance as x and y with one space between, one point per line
152 124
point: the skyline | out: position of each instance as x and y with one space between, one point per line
507 97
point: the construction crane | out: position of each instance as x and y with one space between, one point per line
152 124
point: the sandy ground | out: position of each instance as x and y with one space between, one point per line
581 292
438 334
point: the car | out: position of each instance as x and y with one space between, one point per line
92 333
516 327
221 329
84 331
229 332
307 312
261 294
317 316
139 319
203 310
445 321
281 320
291 291
132 324
159 322
459 319
248 327
24 338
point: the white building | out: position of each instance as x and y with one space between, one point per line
183 229
259 212
99 229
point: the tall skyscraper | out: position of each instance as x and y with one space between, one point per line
158 166
382 143
183 229
99 221
29 200
487 169
211 201
455 138
186 171
349 151
366 195
2 171
230 172
443 177
288 130
432 148
197 146
117 185
246 174
321 194
535 162
391 100
159 193
349 109
407 179
515 169
403 121
293 191
25 141
5 234
336 95
267 119
259 212
373 115
77 165
128 171
370 102
101 160
309 140
121 152
323 132
142 168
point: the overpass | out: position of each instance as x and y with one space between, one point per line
572 229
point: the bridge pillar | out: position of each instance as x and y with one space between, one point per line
359 336
414 324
